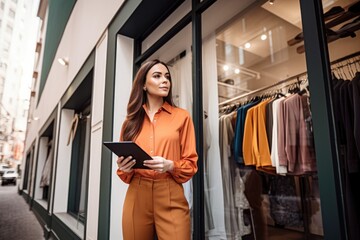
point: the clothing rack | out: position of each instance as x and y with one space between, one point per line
347 65
287 82
339 60
303 181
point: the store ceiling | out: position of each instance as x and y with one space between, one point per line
239 44
252 38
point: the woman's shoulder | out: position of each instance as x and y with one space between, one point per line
182 111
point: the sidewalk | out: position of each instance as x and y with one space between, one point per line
17 221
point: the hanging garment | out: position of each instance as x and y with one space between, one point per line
248 153
74 124
269 121
239 131
228 166
46 172
261 147
281 137
209 220
356 109
340 127
255 145
299 141
284 207
241 204
295 141
346 103
274 147
347 115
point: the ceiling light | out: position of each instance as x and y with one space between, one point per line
263 37
237 71
271 2
63 61
247 45
226 67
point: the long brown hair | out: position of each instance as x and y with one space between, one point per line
135 112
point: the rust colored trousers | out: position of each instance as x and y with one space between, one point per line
155 206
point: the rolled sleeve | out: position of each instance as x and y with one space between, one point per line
125 176
186 167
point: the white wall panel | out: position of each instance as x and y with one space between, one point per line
99 81
94 184
96 139
63 163
123 84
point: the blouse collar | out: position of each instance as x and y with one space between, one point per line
166 106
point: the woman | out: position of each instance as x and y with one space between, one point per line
155 201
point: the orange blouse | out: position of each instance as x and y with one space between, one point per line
170 135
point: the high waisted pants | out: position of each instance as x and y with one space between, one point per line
155 206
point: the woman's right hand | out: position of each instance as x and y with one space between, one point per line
126 164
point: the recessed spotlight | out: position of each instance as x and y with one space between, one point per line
263 37
271 2
226 67
247 45
237 71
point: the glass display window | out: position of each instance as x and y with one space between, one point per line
260 172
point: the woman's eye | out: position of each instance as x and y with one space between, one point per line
157 76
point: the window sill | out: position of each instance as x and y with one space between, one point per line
76 226
42 203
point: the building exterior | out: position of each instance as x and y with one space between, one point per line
222 55
18 27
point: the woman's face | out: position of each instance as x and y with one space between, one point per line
157 82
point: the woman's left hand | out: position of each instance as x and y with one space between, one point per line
159 164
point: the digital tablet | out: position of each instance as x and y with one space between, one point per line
128 148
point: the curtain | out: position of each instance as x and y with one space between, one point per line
214 198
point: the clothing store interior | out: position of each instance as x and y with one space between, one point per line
259 159
264 94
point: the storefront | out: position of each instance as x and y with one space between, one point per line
276 122
243 52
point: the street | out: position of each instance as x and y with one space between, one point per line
17 221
